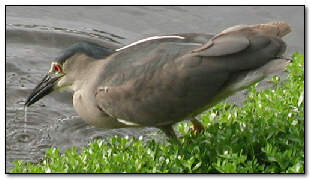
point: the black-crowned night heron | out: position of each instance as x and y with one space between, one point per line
162 80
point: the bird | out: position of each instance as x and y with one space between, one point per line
162 80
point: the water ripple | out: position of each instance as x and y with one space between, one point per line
97 33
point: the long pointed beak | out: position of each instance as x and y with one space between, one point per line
45 87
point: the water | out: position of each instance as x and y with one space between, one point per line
34 36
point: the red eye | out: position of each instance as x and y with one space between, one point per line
57 68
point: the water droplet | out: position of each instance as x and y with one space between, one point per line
25 118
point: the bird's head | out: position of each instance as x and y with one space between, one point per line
66 68
55 79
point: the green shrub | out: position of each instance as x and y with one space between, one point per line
264 136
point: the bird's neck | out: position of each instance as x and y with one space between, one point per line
87 77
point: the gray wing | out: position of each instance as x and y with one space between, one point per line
143 82
163 83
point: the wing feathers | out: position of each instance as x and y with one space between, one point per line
224 45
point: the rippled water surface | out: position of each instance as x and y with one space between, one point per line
34 36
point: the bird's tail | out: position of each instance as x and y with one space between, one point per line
276 28
238 38
252 51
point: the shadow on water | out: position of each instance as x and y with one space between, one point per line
51 122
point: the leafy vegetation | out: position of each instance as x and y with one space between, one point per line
264 136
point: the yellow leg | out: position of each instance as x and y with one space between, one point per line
197 126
